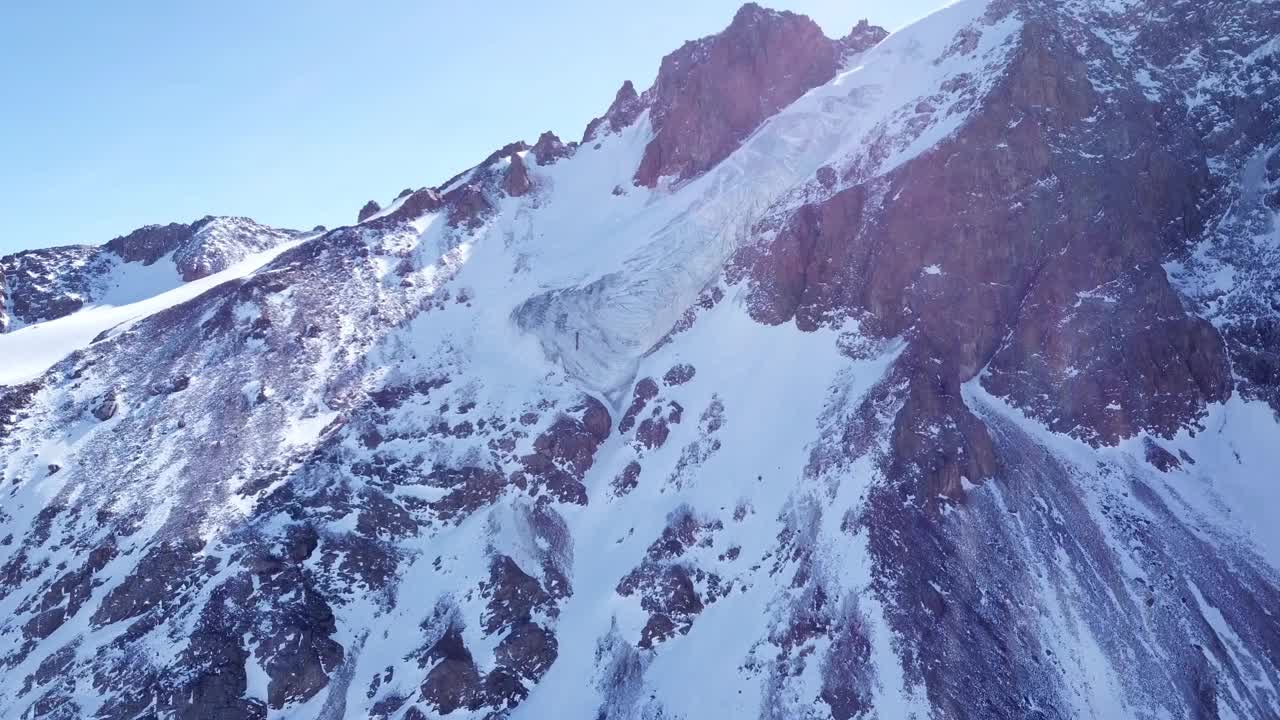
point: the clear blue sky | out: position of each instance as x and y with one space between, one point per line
295 112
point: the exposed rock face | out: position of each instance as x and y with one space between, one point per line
106 407
1159 457
150 243
506 151
566 451
51 283
863 36
1233 124
549 149
454 682
938 445
711 93
1070 314
644 391
665 579
470 196
217 243
1255 350
965 417
679 374
625 108
468 205
370 209
516 181
827 176
415 204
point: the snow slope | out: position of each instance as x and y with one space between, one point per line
137 291
529 453
678 239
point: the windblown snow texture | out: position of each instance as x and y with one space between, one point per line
930 374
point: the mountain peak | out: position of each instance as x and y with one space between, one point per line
549 148
202 247
751 13
216 243
625 108
938 389
50 283
713 92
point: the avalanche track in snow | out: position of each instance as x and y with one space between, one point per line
599 327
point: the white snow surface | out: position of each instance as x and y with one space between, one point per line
137 291
606 277
569 289
618 272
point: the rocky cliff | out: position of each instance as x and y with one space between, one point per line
51 283
929 374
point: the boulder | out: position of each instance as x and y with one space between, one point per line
107 406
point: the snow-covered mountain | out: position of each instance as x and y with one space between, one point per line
51 283
930 374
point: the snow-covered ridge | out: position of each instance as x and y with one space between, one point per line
520 449
600 326
49 283
136 291
218 242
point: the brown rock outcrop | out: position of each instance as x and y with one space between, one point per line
416 204
549 149
150 243
982 261
623 111
370 209
468 206
564 453
516 181
711 93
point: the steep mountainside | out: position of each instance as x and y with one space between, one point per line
51 283
931 374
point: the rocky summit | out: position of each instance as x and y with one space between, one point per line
925 374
